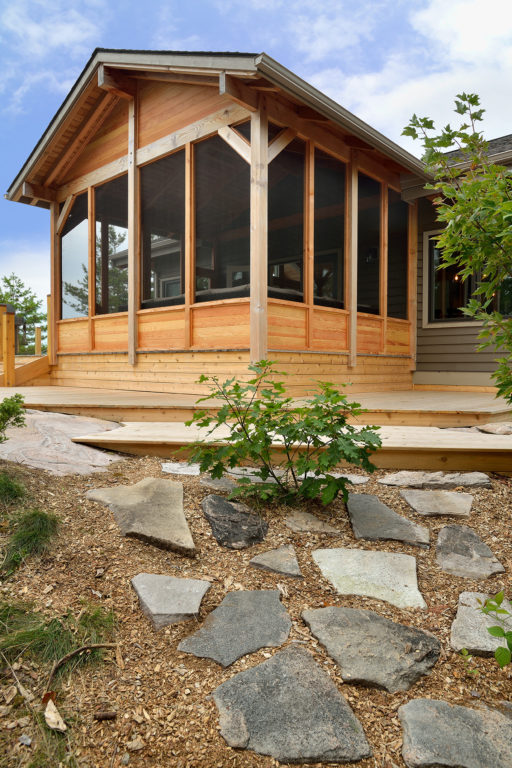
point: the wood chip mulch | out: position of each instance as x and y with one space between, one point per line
161 698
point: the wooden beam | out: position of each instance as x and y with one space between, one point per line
189 242
198 130
309 239
351 262
133 261
412 288
307 113
236 142
55 286
8 346
64 213
238 91
259 236
280 142
102 110
92 179
3 308
37 341
260 84
39 192
49 341
383 272
373 167
91 267
174 77
119 84
286 114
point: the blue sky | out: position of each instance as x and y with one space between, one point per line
381 59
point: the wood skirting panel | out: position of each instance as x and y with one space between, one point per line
329 329
109 143
73 335
287 325
369 334
397 336
221 325
162 328
165 108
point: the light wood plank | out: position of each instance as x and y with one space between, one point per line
133 230
37 342
240 93
38 192
54 302
236 142
93 178
8 344
259 232
280 142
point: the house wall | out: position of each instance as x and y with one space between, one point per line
175 344
446 355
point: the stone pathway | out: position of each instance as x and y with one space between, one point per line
287 707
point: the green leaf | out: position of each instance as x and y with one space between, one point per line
503 656
496 631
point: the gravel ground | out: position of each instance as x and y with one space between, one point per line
161 696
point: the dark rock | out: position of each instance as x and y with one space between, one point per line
371 649
289 708
373 520
243 623
233 524
461 552
437 734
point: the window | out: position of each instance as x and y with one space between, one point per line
368 245
286 223
111 213
74 256
398 214
162 204
329 230
222 195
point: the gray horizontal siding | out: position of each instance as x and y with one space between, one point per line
445 349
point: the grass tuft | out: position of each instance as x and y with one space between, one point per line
33 532
10 489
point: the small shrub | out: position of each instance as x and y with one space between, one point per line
494 606
315 436
11 414
10 489
33 532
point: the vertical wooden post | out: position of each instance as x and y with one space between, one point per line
49 336
8 342
91 268
37 342
309 240
383 272
412 288
189 243
259 232
54 299
133 235
2 312
351 261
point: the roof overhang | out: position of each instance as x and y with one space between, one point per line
237 65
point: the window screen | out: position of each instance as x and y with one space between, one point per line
398 212
329 230
368 245
162 201
111 212
74 253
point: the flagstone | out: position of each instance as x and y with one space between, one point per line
461 552
282 560
469 629
373 520
435 503
167 600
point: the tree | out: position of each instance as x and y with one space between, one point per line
475 206
25 302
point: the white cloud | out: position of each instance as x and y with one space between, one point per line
167 36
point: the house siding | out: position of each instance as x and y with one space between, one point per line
451 349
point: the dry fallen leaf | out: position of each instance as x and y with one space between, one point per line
10 693
53 718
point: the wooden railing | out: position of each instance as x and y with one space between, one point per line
7 336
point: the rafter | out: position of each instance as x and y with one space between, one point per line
78 142
239 92
39 192
112 81
236 142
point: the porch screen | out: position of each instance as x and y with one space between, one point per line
74 255
286 223
162 202
111 213
368 245
397 255
222 196
329 230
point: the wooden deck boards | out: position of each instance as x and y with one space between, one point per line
405 408
427 448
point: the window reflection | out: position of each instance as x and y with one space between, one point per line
111 212
329 230
74 251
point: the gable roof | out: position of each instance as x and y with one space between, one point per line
238 65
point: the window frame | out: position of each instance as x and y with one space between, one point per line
426 278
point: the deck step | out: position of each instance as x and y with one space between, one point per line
402 447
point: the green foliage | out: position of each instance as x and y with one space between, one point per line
10 490
315 436
11 414
475 207
25 302
32 534
25 632
494 606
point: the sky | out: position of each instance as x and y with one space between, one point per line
382 59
